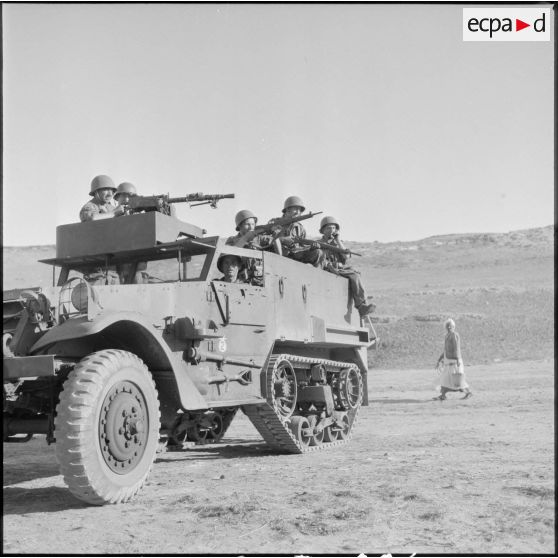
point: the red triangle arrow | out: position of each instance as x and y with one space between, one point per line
519 25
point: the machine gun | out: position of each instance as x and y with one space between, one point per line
268 228
327 246
163 202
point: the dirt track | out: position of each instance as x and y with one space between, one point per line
419 475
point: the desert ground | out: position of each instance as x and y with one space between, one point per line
418 475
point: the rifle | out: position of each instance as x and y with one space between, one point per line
327 246
163 202
273 224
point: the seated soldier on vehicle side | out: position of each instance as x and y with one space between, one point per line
246 222
289 234
336 263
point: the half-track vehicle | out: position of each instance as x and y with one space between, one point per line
112 372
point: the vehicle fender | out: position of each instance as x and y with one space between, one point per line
145 340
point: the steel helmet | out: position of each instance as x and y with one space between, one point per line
101 181
242 216
125 188
222 259
329 220
293 201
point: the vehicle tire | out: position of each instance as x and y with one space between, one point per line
107 427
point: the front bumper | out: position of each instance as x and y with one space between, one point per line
28 367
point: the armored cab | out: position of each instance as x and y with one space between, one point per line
171 351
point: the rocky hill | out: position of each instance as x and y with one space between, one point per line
499 287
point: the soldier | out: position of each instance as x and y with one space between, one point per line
336 263
124 192
229 265
288 235
102 206
246 222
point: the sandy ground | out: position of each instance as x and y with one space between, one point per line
419 475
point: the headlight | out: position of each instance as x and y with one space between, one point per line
80 297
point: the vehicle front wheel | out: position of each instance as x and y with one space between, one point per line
107 427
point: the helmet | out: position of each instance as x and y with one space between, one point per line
101 181
329 220
222 259
125 188
293 201
242 216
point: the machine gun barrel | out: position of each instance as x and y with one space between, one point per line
163 202
200 197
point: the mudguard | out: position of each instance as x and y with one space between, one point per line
80 327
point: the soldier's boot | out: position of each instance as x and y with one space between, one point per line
365 309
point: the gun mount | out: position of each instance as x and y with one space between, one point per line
171 358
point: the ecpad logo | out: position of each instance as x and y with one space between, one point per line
506 24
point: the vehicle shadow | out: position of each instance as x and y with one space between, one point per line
32 471
240 449
17 501
370 401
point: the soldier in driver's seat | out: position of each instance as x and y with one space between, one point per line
230 265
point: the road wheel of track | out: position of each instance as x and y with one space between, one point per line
300 428
317 437
330 435
345 429
196 433
217 428
107 427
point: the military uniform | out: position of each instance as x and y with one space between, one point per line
336 263
97 275
140 276
296 251
93 207
251 271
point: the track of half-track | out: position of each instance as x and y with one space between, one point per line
274 428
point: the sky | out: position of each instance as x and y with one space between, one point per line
380 115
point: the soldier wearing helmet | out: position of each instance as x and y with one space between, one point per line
102 206
289 234
335 262
246 222
229 265
124 192
130 272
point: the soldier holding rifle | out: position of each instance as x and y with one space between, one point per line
336 260
292 233
246 222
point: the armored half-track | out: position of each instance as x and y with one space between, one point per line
112 372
